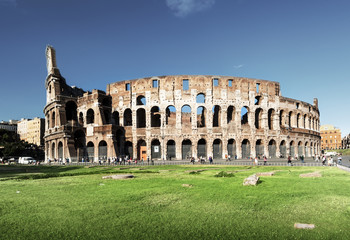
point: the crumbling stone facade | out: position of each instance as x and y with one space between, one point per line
176 117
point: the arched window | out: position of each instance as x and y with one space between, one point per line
244 115
171 116
141 100
200 98
141 118
216 116
186 119
201 117
53 122
127 117
155 117
270 118
230 115
90 116
258 118
115 118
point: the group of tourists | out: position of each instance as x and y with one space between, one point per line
330 161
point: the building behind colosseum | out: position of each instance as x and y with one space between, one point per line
176 117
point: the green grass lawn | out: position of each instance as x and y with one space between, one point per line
51 202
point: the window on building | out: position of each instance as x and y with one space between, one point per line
230 82
215 82
326 141
185 84
257 87
127 87
330 141
155 83
297 105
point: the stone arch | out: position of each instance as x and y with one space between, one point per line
141 149
282 118
141 118
217 149
271 118
202 148
81 118
292 148
53 150
257 100
60 150
201 117
298 120
300 148
307 149
186 118
305 121
230 115
71 111
258 118
231 148
216 116
171 149
127 117
170 116
90 116
283 149
200 98
186 147
244 115
245 149
156 152
272 148
90 148
53 119
115 118
141 100
102 150
259 148
79 145
128 149
155 117
290 119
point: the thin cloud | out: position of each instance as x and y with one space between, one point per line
8 3
238 66
182 8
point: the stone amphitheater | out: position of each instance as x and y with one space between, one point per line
176 117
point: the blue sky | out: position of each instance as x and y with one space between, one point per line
303 44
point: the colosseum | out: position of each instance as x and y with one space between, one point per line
176 117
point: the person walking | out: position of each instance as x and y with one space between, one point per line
265 160
289 161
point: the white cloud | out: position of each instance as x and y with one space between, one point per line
238 66
182 8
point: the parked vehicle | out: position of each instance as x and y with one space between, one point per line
26 160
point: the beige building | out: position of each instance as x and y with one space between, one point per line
32 130
177 117
330 137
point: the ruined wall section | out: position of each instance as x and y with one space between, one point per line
220 92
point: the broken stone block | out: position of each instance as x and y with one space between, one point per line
265 174
251 180
304 226
187 185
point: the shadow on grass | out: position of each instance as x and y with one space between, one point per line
13 171
23 172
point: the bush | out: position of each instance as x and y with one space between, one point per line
224 174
